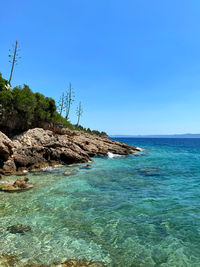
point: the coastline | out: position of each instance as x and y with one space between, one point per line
38 148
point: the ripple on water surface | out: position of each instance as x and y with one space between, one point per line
126 211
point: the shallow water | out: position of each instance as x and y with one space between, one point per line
125 211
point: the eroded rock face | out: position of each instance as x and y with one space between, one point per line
9 167
6 147
6 151
37 148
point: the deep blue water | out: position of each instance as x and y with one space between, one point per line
139 210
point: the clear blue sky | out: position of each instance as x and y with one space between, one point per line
134 64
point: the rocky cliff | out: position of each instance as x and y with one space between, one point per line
37 148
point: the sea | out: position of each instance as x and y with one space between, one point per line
137 210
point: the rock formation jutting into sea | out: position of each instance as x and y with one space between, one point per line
38 148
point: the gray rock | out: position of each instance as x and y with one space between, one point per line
6 146
37 148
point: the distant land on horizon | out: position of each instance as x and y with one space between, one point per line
188 135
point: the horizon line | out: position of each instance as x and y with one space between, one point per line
151 135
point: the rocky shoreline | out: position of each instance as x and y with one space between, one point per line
38 148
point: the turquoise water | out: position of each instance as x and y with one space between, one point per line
130 211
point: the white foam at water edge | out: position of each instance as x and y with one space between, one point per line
140 149
50 168
47 169
58 165
112 155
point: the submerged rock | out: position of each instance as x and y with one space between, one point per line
8 260
78 263
88 166
149 171
159 256
69 172
18 185
19 229
12 260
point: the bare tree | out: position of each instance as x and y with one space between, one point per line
61 104
79 113
68 100
14 57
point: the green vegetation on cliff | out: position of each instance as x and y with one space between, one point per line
21 109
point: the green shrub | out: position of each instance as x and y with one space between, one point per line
23 102
58 119
3 83
21 109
